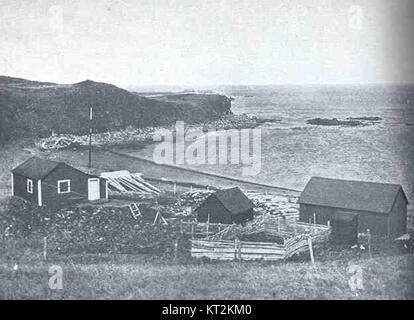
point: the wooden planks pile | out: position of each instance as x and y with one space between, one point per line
124 181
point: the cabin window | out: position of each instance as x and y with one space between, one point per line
63 186
29 186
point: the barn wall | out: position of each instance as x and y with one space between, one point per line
398 216
376 222
78 186
218 213
20 188
323 214
102 188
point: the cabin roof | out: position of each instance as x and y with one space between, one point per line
39 168
36 168
350 194
234 200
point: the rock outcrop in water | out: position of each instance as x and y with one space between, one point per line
348 122
38 109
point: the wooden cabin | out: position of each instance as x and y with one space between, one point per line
55 184
226 206
381 207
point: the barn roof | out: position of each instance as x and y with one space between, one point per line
349 194
234 200
36 168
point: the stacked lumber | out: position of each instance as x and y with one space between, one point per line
124 181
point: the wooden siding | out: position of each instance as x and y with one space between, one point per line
78 186
378 223
20 188
398 216
218 213
102 188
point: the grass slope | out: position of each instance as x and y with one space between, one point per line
132 277
29 108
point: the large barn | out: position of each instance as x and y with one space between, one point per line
51 183
381 207
226 206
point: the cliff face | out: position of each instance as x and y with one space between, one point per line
29 108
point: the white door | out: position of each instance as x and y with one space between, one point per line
93 189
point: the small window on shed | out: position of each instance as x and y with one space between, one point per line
29 185
63 186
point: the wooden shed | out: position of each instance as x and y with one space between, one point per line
226 206
381 207
55 184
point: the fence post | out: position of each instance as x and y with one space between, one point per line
45 248
208 224
278 224
239 249
175 250
369 243
175 189
191 188
192 230
294 228
311 250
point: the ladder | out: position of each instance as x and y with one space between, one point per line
133 207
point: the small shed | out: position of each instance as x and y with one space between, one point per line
55 184
226 206
344 227
381 207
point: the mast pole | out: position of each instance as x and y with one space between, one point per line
90 137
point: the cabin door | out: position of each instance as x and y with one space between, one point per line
93 189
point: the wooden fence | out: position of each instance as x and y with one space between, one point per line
248 250
201 230
236 250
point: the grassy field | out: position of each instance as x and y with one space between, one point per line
140 277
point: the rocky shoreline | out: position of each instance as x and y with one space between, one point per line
141 136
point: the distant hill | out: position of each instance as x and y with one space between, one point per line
31 108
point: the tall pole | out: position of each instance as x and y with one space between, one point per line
90 137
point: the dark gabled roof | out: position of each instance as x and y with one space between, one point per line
353 195
234 200
36 168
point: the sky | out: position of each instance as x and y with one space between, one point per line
217 42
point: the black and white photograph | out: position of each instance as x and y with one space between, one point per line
228 150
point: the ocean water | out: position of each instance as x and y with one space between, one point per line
293 151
